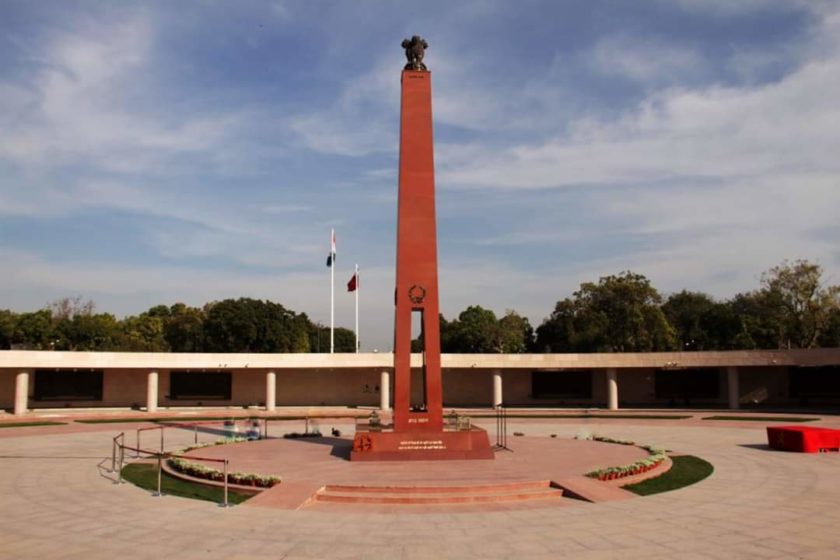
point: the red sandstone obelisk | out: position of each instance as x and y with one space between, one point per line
418 432
417 274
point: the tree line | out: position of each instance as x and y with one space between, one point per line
792 308
231 325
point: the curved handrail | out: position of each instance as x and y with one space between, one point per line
160 455
120 447
194 426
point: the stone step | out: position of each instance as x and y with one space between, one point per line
464 489
592 490
439 495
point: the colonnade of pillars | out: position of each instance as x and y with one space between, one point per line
22 390
732 384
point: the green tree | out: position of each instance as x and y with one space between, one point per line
89 332
184 328
8 320
69 307
299 337
559 332
801 302
319 339
618 314
759 319
35 330
474 332
515 334
345 340
249 325
831 336
701 323
479 331
446 332
686 312
725 329
144 333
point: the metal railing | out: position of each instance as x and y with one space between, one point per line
194 426
457 422
119 448
501 428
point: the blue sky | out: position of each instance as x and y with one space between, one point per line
192 151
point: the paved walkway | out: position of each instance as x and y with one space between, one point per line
58 501
323 461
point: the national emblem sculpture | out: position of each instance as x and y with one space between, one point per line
418 431
415 49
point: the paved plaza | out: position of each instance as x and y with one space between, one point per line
58 500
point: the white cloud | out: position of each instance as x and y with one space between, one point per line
714 133
728 8
90 99
280 10
646 61
721 182
362 120
84 131
364 117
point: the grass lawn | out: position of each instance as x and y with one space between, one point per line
174 420
144 475
687 470
28 424
220 418
762 418
113 420
185 419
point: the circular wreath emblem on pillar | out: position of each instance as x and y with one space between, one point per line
417 293
362 443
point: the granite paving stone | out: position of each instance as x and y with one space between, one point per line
58 502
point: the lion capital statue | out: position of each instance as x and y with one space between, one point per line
415 48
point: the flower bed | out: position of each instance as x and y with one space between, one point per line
605 439
198 470
655 459
298 435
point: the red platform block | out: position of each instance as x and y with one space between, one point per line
803 439
421 445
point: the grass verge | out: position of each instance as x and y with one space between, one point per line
762 418
188 419
144 475
185 419
28 424
686 470
112 421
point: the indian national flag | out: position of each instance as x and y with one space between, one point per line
331 256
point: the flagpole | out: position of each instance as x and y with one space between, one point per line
358 285
332 293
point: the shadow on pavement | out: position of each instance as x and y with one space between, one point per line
761 446
340 446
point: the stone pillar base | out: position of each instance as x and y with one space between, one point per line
421 445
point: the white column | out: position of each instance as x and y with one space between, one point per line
497 389
152 391
385 391
21 392
612 389
733 386
270 391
